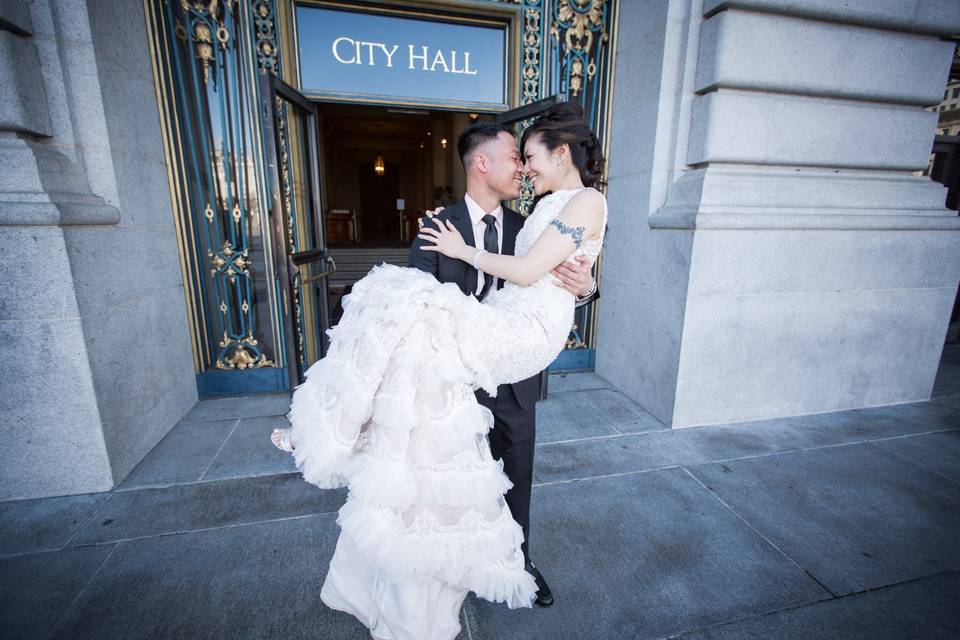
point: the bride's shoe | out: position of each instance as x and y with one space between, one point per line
281 440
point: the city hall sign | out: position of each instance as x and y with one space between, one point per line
370 57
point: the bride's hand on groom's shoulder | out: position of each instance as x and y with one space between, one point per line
429 214
446 239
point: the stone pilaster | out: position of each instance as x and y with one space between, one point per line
816 271
51 436
92 318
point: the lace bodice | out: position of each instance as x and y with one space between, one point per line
548 209
542 304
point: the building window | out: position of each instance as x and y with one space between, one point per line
956 92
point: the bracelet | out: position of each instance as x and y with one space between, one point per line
477 255
593 290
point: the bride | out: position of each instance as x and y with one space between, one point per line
390 412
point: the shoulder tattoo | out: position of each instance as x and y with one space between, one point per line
576 233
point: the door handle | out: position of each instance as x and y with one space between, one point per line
332 267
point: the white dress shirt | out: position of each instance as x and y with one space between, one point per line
479 228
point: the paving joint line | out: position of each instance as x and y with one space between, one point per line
759 533
607 388
76 598
802 605
217 454
192 483
676 635
621 434
915 463
611 436
35 552
554 483
913 435
179 532
818 448
85 522
551 483
184 420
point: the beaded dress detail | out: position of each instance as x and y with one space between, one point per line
390 413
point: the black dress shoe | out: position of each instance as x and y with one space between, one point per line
544 597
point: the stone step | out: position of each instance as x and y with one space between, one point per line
354 262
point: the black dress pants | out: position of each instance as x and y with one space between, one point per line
512 440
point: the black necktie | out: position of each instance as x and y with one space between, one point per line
492 246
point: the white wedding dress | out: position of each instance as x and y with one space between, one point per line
390 413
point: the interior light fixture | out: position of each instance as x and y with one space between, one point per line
443 142
379 168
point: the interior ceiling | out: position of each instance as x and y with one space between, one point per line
376 122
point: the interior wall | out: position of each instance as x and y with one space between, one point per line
424 162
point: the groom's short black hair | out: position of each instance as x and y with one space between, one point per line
475 135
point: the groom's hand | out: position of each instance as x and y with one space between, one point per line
429 214
575 278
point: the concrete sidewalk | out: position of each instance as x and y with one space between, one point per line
842 525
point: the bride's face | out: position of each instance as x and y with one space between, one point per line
539 164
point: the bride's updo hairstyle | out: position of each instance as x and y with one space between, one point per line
564 123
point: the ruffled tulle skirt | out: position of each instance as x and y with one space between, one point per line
390 412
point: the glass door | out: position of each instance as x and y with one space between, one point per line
298 234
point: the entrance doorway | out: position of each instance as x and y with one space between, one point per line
383 167
351 182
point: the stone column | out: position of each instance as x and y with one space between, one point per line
92 308
51 438
801 266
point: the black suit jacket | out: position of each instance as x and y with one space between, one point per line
465 276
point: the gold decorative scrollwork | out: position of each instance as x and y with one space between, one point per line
530 75
531 54
229 261
267 52
206 7
285 170
207 25
243 355
204 40
580 23
574 341
580 36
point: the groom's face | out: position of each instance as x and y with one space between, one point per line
504 166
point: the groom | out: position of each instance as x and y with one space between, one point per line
494 169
